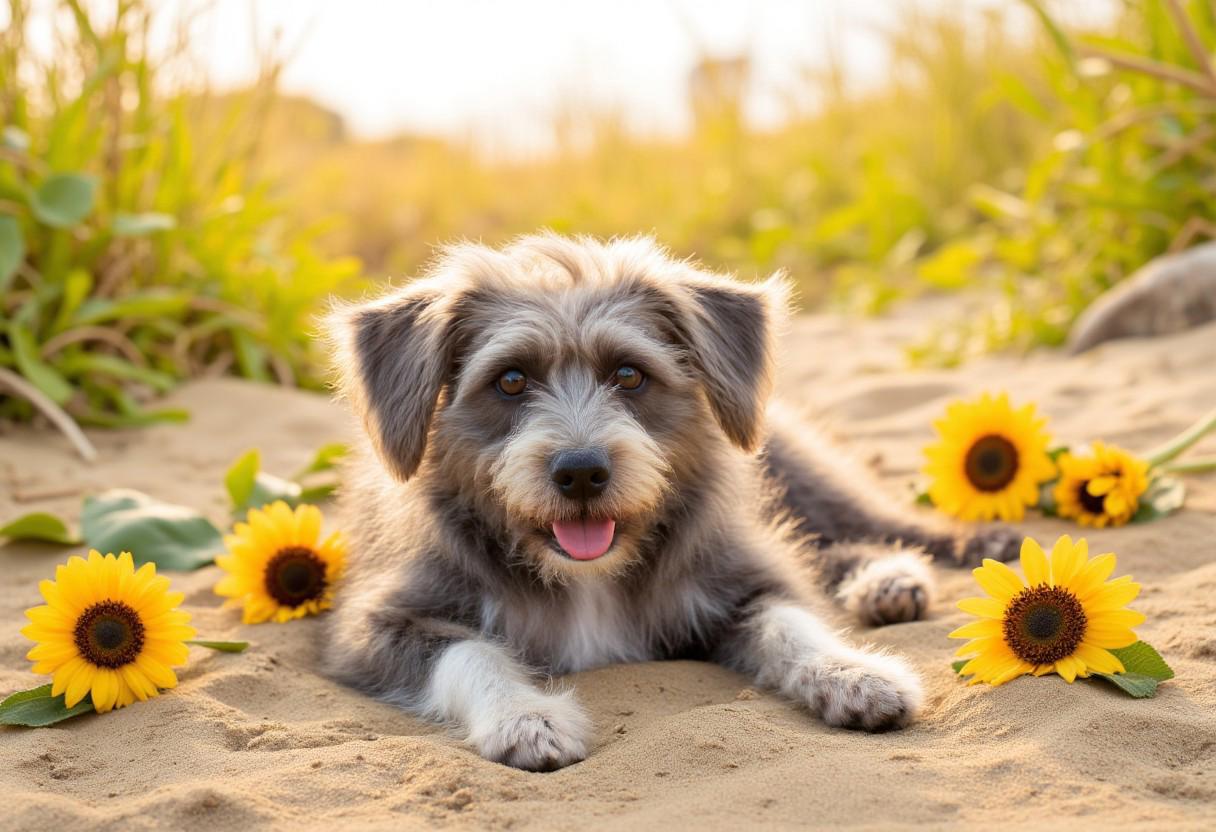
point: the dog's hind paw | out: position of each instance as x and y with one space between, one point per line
889 590
997 542
548 733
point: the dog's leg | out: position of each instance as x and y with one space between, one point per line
836 500
789 649
879 583
444 672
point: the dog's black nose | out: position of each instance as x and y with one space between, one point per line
581 474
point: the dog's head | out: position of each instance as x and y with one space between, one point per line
572 391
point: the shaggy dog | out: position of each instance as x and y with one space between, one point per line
571 462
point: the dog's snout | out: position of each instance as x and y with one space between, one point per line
581 474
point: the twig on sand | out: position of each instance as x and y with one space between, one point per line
50 410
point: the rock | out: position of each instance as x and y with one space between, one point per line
1170 294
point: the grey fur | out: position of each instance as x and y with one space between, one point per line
448 503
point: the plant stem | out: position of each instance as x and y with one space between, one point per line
1164 453
52 411
1201 465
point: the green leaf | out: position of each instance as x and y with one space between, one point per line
221 646
326 459
172 537
1047 498
36 708
150 305
1164 496
923 499
1055 453
317 493
1133 684
89 364
30 363
959 665
42 527
1141 658
138 225
12 249
64 199
267 488
14 138
240 477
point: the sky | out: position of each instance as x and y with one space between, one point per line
498 72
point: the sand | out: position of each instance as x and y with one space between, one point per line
261 739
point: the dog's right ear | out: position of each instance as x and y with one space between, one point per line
393 356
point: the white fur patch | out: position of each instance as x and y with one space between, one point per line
889 590
846 686
478 686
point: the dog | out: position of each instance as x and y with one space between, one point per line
570 461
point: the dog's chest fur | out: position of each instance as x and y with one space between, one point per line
592 624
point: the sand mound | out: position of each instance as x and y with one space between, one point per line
261 739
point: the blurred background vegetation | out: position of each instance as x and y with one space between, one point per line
152 230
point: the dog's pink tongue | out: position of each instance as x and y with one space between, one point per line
584 539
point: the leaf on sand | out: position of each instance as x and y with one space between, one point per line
1143 659
172 537
1135 685
37 708
40 526
1164 496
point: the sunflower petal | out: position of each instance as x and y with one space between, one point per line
983 607
998 580
984 628
1034 563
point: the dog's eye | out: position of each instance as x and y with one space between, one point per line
628 378
512 383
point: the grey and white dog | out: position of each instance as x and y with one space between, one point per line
572 462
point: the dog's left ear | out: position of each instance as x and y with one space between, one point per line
730 330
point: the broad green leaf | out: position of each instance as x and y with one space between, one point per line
267 488
31 365
221 646
1164 496
172 537
14 138
326 459
1133 684
137 225
64 199
240 477
42 527
1141 658
959 665
12 249
317 493
36 708
152 304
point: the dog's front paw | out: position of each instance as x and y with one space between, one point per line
889 590
997 542
545 734
865 691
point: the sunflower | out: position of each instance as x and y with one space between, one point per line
108 630
276 567
989 459
1065 617
1102 488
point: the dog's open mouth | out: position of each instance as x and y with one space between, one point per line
584 538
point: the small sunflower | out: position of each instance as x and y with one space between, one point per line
1064 618
1102 488
277 568
989 460
108 630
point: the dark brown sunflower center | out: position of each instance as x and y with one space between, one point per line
992 463
295 575
1044 624
1092 504
109 634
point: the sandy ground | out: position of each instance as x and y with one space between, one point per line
260 738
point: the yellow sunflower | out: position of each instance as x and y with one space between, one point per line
1064 618
1102 488
108 630
989 460
277 568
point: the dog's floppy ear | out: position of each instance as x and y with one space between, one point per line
730 328
394 356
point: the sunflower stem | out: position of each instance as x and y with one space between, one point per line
1201 465
1164 453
